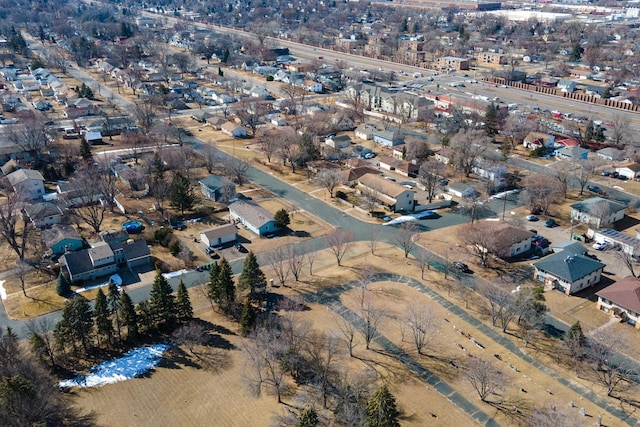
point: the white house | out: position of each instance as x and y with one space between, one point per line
458 189
364 131
489 170
43 214
535 140
387 138
511 241
234 130
610 153
312 86
340 141
569 273
622 300
631 171
219 235
27 183
253 216
597 212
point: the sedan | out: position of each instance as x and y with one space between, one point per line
460 266
600 246
550 223
532 218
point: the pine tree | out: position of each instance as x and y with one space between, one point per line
78 318
214 291
381 409
85 149
282 218
104 325
40 349
491 119
162 304
252 277
145 318
225 277
308 418
181 195
247 318
63 287
127 313
183 303
113 299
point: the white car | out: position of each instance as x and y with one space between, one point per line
600 246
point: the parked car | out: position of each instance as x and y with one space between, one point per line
532 217
606 173
240 248
550 223
595 189
369 155
443 181
459 266
600 246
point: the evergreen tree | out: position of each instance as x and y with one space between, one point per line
114 301
145 318
381 409
78 318
575 341
226 283
252 277
40 349
162 304
63 287
181 195
282 218
127 313
589 131
85 149
84 91
214 291
491 119
220 72
183 303
104 325
247 318
308 418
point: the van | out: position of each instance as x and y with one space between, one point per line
417 75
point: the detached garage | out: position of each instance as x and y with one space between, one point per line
219 235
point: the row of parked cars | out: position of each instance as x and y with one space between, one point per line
615 175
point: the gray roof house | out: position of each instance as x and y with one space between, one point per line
568 272
387 138
219 235
217 188
43 214
460 189
253 216
610 153
61 238
597 212
27 183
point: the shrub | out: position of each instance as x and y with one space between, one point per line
163 236
174 248
341 195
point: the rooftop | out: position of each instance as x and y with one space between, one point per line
251 212
624 292
569 267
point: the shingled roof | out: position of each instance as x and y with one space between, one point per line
569 267
624 293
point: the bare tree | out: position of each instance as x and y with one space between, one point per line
552 415
269 141
136 142
30 134
421 322
339 243
329 179
501 305
424 261
236 169
374 239
480 240
277 259
43 328
540 192
90 209
563 174
373 317
311 257
263 366
348 330
468 146
209 154
15 226
628 259
145 115
484 377
430 174
22 268
296 261
586 172
404 237
611 368
322 351
620 131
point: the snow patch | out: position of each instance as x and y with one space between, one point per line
174 274
3 291
115 279
411 217
131 365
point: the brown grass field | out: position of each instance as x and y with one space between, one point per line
179 394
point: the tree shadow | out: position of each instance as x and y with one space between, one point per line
176 358
515 409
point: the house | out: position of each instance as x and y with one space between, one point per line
409 170
352 175
219 235
452 62
387 138
364 131
572 153
622 300
27 183
610 153
103 259
338 142
217 188
569 273
631 171
61 238
388 193
388 163
597 212
459 189
570 247
444 155
216 122
491 58
312 86
488 169
566 85
511 241
93 138
234 130
43 214
200 116
253 216
317 166
535 140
